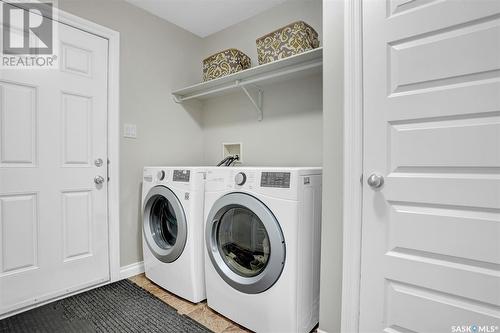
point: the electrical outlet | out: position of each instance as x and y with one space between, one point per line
130 131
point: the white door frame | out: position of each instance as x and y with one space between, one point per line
113 38
353 164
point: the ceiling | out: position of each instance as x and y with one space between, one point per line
205 17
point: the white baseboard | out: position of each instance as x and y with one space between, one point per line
131 270
321 331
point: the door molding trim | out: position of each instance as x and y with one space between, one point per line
353 165
113 38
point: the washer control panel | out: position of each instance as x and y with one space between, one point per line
182 176
275 179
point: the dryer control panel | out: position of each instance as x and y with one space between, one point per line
275 179
182 176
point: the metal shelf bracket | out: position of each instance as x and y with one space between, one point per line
176 99
256 101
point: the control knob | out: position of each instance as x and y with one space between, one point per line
240 178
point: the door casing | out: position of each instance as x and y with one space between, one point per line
113 38
353 165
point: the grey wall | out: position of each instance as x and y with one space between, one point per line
156 57
291 132
333 104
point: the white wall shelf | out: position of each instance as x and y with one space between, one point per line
249 80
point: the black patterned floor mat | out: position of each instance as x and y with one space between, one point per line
118 307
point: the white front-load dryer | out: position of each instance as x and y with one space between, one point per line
262 238
172 229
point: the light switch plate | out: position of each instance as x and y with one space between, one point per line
130 131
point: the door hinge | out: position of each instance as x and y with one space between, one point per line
107 169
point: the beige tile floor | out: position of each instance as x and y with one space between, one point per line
199 312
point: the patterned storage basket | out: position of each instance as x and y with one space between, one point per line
224 63
292 39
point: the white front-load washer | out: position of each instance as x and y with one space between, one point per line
262 239
172 228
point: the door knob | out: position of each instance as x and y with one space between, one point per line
375 181
98 180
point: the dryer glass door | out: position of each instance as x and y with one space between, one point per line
164 227
245 243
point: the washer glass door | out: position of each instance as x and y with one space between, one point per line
245 243
164 226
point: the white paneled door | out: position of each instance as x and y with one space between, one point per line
431 230
53 215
